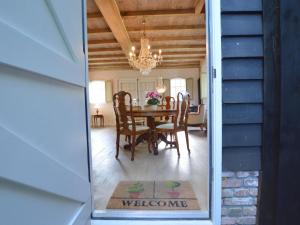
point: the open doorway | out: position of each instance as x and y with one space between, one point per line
163 182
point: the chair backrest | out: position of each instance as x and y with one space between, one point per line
202 112
182 110
169 102
123 112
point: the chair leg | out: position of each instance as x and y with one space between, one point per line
149 143
154 142
117 145
129 139
132 147
187 140
177 145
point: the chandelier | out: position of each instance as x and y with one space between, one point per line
161 88
145 62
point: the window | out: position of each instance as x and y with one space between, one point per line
177 85
97 92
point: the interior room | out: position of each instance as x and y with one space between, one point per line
155 51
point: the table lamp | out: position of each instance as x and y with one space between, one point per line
97 107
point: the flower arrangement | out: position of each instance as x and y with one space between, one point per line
153 97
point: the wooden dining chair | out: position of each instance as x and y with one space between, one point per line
138 120
179 122
123 115
167 102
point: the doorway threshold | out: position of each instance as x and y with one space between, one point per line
151 222
150 214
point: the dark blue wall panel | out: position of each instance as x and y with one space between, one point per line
236 69
242 24
239 6
242 69
241 158
242 91
237 47
242 135
242 113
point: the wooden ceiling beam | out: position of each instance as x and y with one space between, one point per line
126 63
130 68
180 63
110 63
153 47
199 5
152 39
116 49
112 16
151 28
167 12
125 60
164 54
184 53
168 28
99 30
106 56
163 64
94 15
109 60
103 41
173 38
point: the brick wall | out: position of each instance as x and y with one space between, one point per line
239 197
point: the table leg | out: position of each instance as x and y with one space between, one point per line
164 138
153 138
141 138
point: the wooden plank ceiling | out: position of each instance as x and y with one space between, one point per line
175 26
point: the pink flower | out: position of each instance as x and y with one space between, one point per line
153 94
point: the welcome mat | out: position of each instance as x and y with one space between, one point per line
154 195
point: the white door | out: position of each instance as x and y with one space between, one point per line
145 85
43 134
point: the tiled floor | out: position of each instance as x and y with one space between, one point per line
107 171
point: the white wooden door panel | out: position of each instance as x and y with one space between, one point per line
44 175
26 206
33 107
41 171
32 30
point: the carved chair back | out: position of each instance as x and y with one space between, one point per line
123 112
182 110
168 102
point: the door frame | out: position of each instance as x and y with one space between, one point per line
214 73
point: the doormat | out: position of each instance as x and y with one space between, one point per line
154 195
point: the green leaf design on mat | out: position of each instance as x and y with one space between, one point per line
172 184
136 187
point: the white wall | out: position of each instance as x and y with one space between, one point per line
115 75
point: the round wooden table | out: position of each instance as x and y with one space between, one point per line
150 114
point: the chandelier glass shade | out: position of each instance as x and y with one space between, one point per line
145 61
161 88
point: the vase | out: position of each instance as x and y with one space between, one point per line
150 107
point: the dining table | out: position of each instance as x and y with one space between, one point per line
151 114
